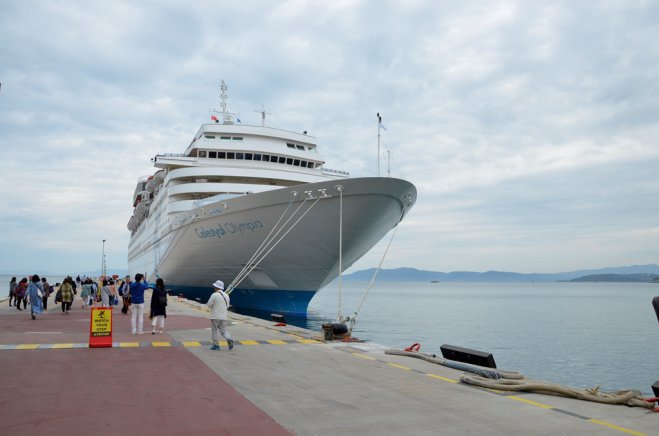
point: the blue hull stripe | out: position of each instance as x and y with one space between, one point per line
270 300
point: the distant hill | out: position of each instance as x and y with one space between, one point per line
417 275
639 278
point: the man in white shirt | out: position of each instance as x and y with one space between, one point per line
218 303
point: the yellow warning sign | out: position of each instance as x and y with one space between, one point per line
101 322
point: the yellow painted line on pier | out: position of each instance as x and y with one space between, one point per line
363 356
531 402
62 346
439 377
276 342
395 365
27 347
128 344
161 344
191 344
308 341
616 427
249 342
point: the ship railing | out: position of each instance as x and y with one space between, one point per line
170 155
331 171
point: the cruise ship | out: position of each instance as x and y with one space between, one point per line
256 207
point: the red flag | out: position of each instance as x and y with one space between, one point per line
213 117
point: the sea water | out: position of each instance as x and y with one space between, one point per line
575 334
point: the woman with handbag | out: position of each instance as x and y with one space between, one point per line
158 306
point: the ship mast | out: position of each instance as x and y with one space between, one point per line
226 116
379 127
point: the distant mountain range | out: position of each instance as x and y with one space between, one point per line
633 273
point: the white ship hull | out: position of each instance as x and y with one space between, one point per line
217 240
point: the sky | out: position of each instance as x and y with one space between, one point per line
530 129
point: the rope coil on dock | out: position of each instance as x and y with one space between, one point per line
627 397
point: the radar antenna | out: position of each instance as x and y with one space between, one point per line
263 114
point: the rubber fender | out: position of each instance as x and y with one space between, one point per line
655 304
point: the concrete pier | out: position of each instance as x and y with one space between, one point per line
277 380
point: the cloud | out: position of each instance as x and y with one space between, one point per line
528 128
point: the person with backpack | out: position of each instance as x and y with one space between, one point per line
124 291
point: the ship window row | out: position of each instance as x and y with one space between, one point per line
259 157
297 146
225 138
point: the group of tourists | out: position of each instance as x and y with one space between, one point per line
105 292
34 291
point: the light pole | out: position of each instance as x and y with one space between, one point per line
103 260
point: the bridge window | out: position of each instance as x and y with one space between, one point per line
231 155
225 138
221 155
240 155
296 162
289 145
289 161
303 164
212 154
248 156
237 138
257 157
300 147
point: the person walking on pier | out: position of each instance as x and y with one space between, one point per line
46 292
137 289
35 294
158 306
219 303
21 289
12 290
66 295
106 293
124 290
86 293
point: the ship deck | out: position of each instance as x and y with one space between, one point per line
277 380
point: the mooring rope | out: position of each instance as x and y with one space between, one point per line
353 318
235 282
625 397
489 373
266 241
514 381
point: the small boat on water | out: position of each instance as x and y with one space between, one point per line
256 207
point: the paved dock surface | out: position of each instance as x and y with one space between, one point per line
277 380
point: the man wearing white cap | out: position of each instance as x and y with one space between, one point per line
218 303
